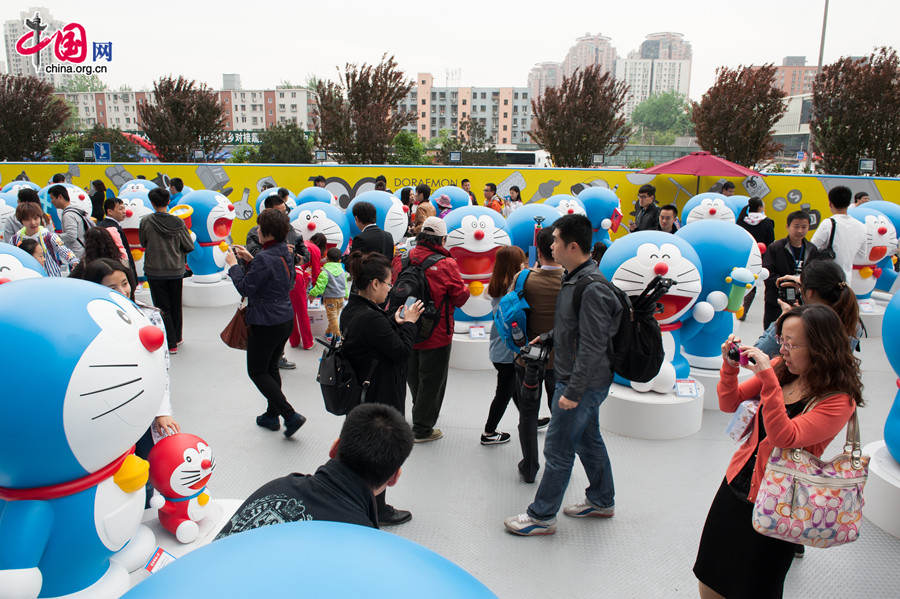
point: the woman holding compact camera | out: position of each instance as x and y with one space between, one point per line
806 396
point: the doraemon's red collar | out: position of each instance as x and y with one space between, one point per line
206 244
672 326
67 488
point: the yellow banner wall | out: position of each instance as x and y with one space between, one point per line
241 183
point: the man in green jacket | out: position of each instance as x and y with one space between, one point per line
332 286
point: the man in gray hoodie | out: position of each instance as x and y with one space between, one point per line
166 242
74 221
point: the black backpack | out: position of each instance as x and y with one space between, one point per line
412 282
341 388
637 349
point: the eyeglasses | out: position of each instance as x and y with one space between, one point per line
388 283
643 196
786 345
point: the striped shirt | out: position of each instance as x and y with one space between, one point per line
48 240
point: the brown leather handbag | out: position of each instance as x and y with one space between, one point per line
235 332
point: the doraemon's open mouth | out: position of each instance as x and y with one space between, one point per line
672 305
200 483
133 236
222 226
474 265
877 253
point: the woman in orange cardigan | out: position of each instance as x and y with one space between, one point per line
733 560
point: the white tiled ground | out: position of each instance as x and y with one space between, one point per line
459 492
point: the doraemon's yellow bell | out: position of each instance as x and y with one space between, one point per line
476 288
223 246
132 474
728 279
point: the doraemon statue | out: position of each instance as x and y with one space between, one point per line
522 225
210 221
18 265
709 206
290 202
180 467
566 204
71 490
474 234
7 212
78 198
459 197
889 281
602 207
891 343
310 218
732 263
137 184
631 263
881 243
13 187
137 206
315 194
389 214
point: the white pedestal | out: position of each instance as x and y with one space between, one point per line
651 415
209 295
871 314
707 363
882 490
881 297
470 354
710 380
220 512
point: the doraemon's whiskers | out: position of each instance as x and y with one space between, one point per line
118 406
637 274
112 365
110 388
685 272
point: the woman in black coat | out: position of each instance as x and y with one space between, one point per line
378 344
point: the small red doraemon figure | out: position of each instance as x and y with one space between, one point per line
180 467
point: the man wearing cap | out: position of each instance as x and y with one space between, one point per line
430 359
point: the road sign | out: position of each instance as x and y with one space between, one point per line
102 152
801 155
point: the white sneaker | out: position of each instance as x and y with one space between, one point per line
589 510
526 526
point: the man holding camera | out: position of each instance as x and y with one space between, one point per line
786 257
582 343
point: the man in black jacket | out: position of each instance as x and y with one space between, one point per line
375 440
786 257
371 237
115 212
646 212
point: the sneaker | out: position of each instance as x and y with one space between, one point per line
526 526
589 510
434 436
293 424
269 422
799 551
543 423
173 350
391 516
495 438
284 364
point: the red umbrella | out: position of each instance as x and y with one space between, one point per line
701 164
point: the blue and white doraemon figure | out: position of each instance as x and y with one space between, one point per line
13 187
474 234
522 225
7 212
290 202
891 343
889 281
873 259
630 263
18 265
459 197
602 207
566 204
78 198
71 491
210 219
389 213
315 194
137 207
135 184
310 218
709 206
732 264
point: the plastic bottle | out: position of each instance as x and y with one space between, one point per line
517 335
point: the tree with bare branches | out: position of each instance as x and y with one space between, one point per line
581 117
734 119
185 117
357 117
856 113
29 114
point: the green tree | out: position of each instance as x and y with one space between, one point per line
856 104
734 119
356 117
286 143
71 147
244 153
408 149
67 148
581 117
186 117
29 115
662 117
82 83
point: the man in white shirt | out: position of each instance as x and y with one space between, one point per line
849 234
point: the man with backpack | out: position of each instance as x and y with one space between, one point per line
582 343
75 222
428 273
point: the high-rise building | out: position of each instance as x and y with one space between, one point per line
231 81
590 50
793 77
40 19
666 45
542 76
662 64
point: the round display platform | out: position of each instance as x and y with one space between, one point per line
470 354
871 313
651 415
705 362
710 379
882 490
209 295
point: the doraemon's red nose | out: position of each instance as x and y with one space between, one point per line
129 214
151 337
882 230
230 207
405 208
80 196
762 247
571 211
205 464
661 268
311 226
712 211
479 235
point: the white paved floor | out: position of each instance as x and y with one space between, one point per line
459 492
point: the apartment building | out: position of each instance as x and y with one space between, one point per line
13 29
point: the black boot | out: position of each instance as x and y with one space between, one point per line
293 424
388 515
269 422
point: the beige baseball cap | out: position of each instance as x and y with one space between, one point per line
435 226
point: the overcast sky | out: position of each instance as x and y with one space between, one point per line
490 43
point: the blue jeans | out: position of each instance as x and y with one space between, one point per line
570 432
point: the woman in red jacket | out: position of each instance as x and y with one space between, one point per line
733 560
